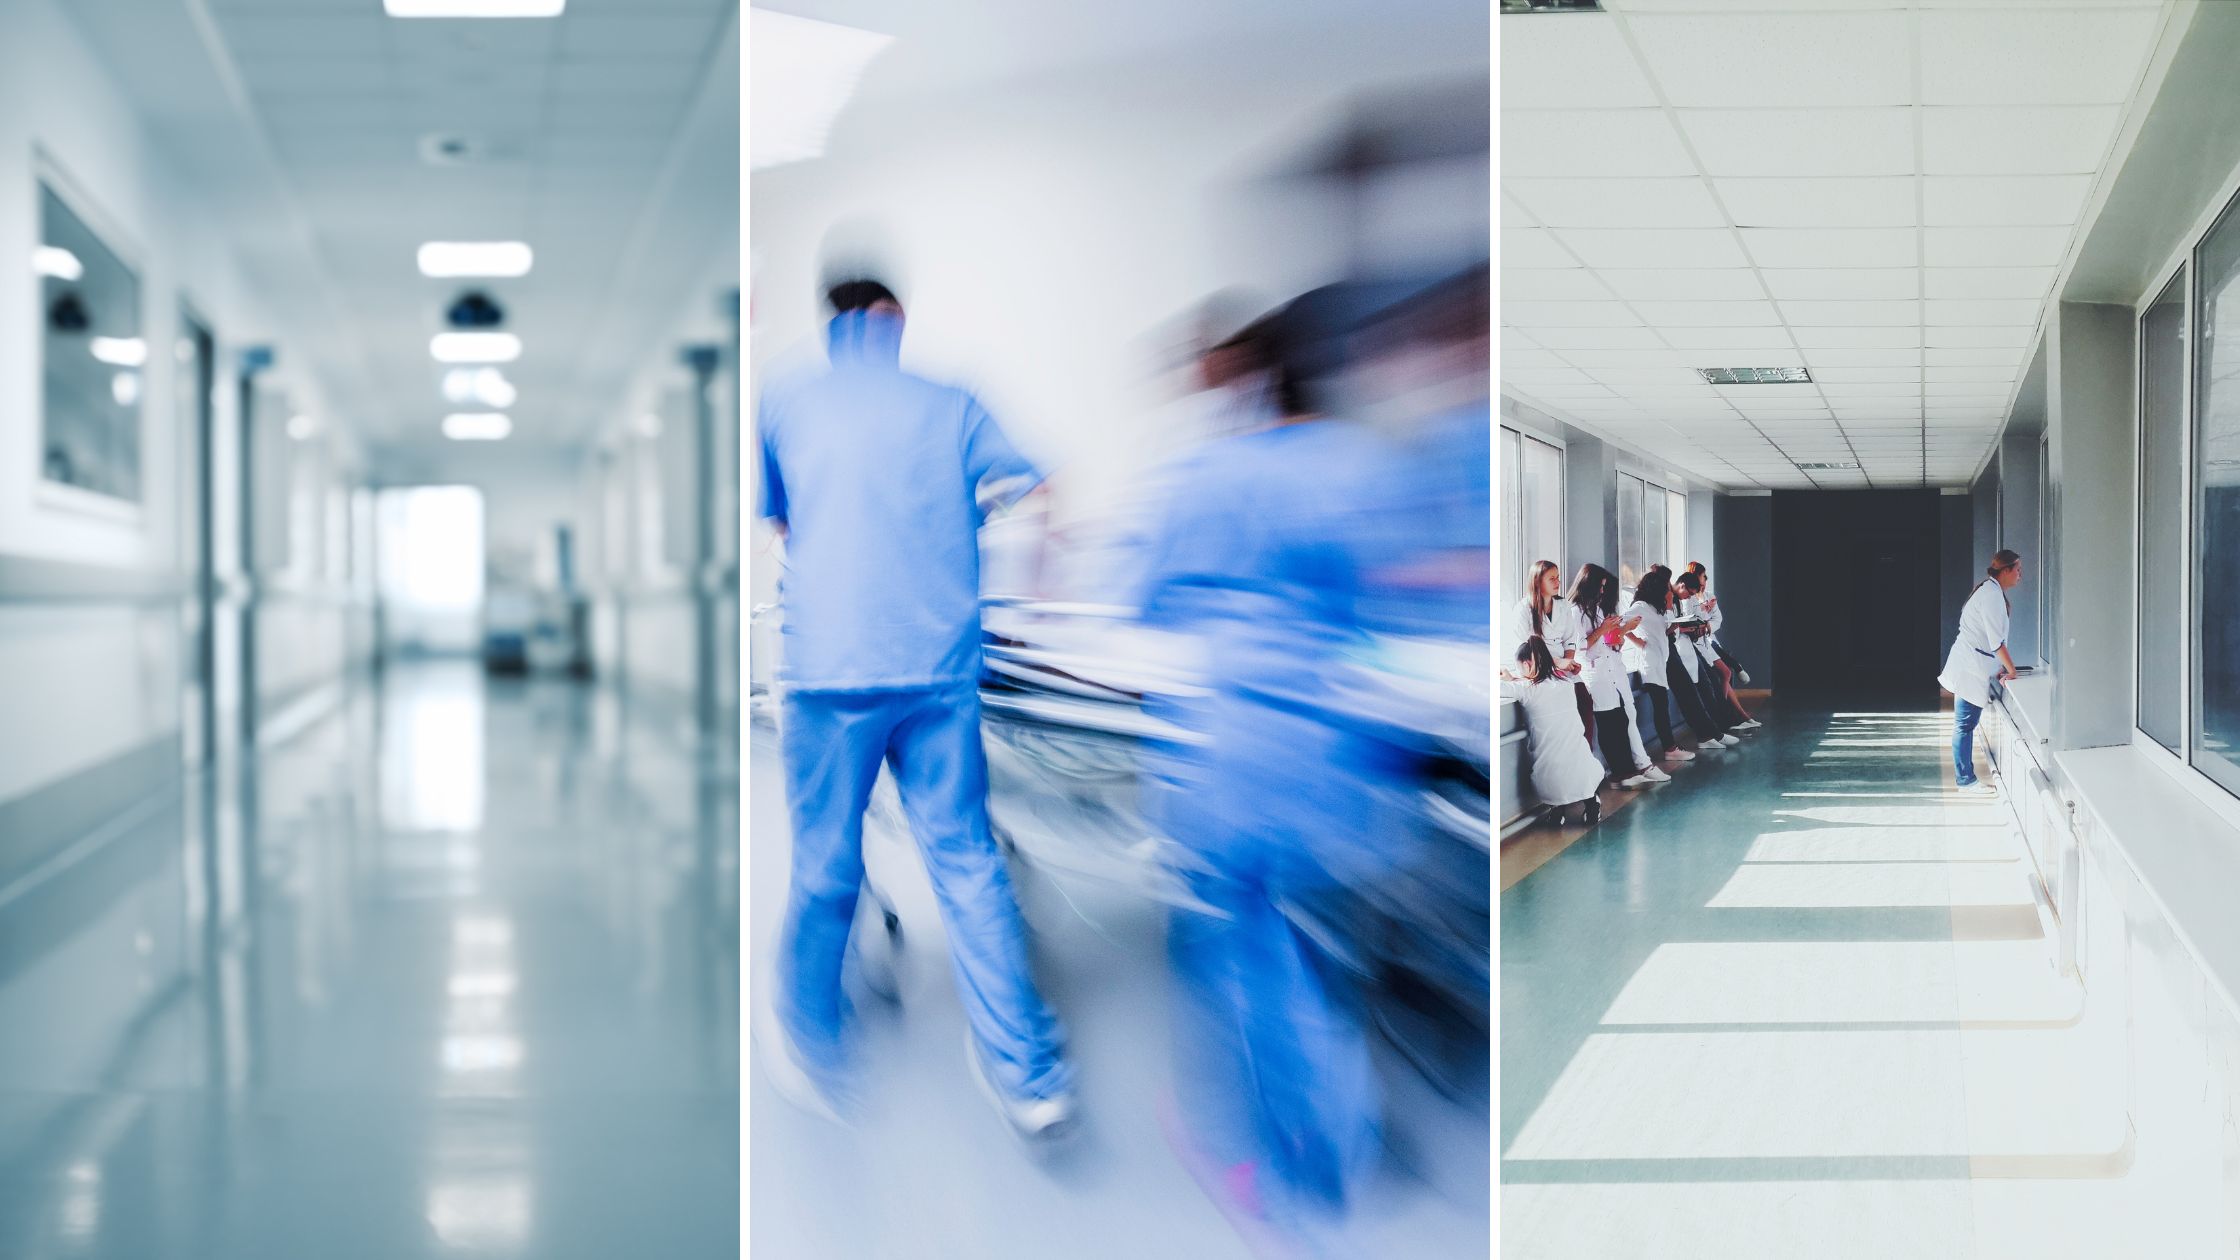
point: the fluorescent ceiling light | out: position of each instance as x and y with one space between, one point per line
475 258
649 425
487 386
476 426
458 347
1757 376
125 388
803 73
128 352
302 428
474 8
54 260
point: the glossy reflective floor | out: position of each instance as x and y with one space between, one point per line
1800 1002
929 1173
454 972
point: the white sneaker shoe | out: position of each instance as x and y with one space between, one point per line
1679 754
1032 1119
1729 740
1980 789
1654 775
1749 725
1636 783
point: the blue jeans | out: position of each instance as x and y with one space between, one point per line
1964 719
835 743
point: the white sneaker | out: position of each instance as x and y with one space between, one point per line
1729 740
1636 783
1679 754
1981 789
1749 725
1030 1118
1654 775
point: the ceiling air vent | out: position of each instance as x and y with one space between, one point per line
1551 6
1756 376
1830 467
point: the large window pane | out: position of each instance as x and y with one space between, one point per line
2216 504
94 357
2162 418
1543 503
1653 512
1630 490
1514 557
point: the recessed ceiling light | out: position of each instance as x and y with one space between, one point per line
487 386
458 347
476 426
302 428
1757 376
475 258
1829 466
54 260
474 8
1551 6
128 352
803 74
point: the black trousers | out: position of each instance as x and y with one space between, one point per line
1660 707
1691 696
1617 748
1714 691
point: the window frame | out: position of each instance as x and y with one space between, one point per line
2182 265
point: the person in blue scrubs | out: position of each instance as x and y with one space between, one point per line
1277 1111
879 481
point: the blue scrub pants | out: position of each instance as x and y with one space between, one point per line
1273 1059
835 743
1964 719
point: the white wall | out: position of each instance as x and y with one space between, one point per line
57 99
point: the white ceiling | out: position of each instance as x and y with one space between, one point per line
610 142
1881 192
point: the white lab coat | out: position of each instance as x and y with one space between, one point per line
1656 646
1691 657
1974 659
1520 628
1564 769
1605 674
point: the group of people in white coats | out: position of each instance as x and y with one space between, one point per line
1574 661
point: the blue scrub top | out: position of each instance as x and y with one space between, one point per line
1431 571
876 475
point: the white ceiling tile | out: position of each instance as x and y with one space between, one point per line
1938 392
1832 247
2042 56
2004 200
2009 357
2003 376
1850 284
1708 314
1636 143
1760 356
1601 358
1940 312
1567 339
1988 282
1995 246
1514 215
2017 139
1603 314
1640 376
1870 201
1578 62
1584 395
1840 314
1551 284
1512 339
1546 376
1729 341
1532 247
1683 284
1839 393
1857 357
1797 142
1808 59
1615 203
1861 375
1531 359
1648 247
1837 338
2017 336
1752 395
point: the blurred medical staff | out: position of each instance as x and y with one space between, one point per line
880 480
1259 557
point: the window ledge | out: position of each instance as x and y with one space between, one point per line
2185 854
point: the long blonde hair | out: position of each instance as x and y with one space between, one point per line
1542 606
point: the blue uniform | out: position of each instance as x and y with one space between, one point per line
1261 557
879 476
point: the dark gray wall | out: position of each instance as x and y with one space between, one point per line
1957 568
1590 504
1742 577
2018 531
2091 429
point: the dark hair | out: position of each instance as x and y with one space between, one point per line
2001 562
1595 590
1690 581
859 294
1533 654
1655 589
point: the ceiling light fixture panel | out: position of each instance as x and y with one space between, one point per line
1756 376
452 259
